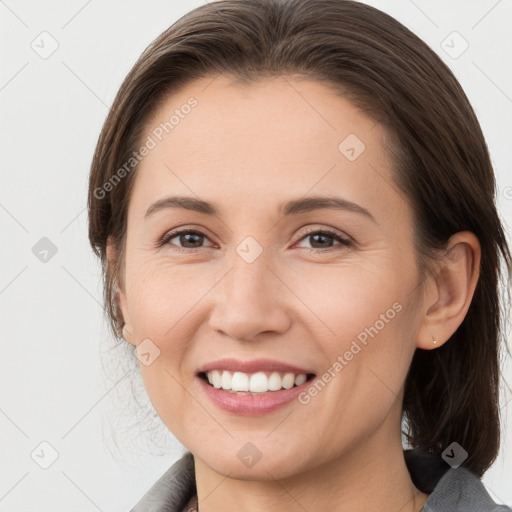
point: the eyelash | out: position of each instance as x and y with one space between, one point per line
343 242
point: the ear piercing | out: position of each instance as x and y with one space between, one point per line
435 341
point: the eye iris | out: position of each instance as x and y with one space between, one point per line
322 236
197 238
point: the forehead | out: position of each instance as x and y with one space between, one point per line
282 136
277 115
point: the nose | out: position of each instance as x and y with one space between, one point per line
249 301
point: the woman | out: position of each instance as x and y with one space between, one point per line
294 206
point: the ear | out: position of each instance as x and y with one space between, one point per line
450 291
121 296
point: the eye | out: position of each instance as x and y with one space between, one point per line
322 238
190 238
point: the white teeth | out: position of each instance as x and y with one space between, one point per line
257 382
215 376
288 381
300 379
226 380
240 382
274 382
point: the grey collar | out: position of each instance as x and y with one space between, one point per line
450 490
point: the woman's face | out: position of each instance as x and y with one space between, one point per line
254 282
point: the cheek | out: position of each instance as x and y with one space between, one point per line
161 294
364 376
162 301
349 298
367 335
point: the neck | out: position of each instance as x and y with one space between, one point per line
371 475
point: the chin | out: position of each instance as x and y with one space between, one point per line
260 461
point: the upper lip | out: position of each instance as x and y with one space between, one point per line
252 366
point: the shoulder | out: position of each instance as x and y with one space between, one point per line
172 490
449 489
461 490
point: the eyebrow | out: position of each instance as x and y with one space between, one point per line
293 207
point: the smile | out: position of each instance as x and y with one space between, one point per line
257 383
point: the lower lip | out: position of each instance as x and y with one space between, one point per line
249 405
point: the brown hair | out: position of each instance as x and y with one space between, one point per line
441 163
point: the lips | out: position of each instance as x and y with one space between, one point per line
250 404
253 366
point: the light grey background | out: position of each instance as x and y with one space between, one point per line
53 387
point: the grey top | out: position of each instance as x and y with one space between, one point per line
450 490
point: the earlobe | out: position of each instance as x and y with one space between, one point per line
451 291
127 330
127 334
427 341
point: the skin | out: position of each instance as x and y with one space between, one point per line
248 149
